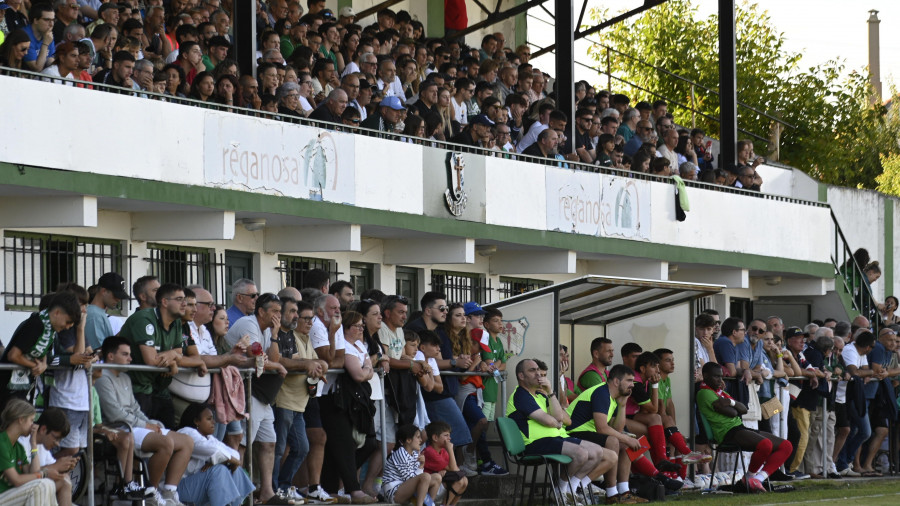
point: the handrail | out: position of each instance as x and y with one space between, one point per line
853 282
416 140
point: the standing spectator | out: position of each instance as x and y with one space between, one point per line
727 354
295 353
261 428
144 290
878 393
810 361
110 292
156 337
823 419
32 341
343 453
854 355
244 294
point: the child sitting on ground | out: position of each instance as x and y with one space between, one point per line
404 479
439 459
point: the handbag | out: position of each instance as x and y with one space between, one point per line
770 408
191 387
754 413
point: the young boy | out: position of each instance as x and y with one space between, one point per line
439 459
429 379
52 426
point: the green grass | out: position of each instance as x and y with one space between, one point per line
870 493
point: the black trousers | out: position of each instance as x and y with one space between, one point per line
342 457
157 408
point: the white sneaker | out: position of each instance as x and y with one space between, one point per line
470 472
171 497
319 496
152 497
291 495
688 484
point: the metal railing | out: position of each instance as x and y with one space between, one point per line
247 374
147 95
692 84
851 279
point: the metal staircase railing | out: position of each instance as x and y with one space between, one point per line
850 281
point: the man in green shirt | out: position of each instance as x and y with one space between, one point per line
723 414
666 410
156 338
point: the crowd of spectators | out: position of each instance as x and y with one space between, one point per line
387 76
312 428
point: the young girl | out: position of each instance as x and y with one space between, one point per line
404 478
439 459
214 475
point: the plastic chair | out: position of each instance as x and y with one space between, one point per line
514 446
718 448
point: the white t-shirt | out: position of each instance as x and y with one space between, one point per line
248 325
358 350
53 71
318 336
461 111
431 363
46 458
851 357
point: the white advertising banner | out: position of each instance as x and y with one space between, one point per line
600 205
573 201
625 208
279 158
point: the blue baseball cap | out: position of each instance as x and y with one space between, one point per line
392 102
473 309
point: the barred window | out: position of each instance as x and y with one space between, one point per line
293 269
362 277
461 286
183 265
510 287
407 283
36 263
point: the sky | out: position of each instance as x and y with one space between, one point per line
820 30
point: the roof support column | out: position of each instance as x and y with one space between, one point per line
565 64
727 85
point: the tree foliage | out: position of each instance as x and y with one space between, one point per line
836 136
889 180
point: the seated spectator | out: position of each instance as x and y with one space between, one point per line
214 474
226 91
52 426
404 477
171 450
723 414
546 145
668 147
688 171
748 178
701 149
413 127
23 482
175 82
42 50
685 148
641 135
190 59
629 124
439 458
745 155
660 167
119 74
66 64
606 146
388 115
203 87
350 118
541 419
332 108
476 133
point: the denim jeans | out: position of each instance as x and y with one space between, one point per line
216 485
860 431
290 431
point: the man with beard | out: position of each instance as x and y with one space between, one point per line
547 145
597 372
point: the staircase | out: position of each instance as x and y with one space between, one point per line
850 282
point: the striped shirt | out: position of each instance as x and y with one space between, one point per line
401 466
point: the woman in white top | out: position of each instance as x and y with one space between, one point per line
214 475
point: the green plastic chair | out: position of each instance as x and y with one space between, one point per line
514 446
718 448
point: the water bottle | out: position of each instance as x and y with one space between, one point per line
497 376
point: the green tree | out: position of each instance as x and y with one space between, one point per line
837 137
889 180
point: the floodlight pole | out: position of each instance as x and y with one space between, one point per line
727 86
565 64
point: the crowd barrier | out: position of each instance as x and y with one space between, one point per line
248 375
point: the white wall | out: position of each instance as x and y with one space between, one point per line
860 214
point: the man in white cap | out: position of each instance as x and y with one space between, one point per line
346 16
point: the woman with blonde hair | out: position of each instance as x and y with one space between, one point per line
24 483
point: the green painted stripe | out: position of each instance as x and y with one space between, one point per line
521 26
434 25
888 256
240 201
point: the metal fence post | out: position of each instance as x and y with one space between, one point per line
249 448
608 70
89 467
383 421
